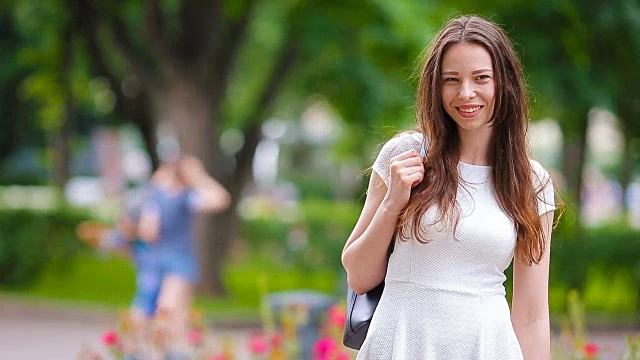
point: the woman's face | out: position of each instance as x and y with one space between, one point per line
468 87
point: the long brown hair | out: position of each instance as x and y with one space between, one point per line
514 191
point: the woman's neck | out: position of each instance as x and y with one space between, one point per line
474 146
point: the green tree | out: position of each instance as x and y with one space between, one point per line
206 66
616 48
16 120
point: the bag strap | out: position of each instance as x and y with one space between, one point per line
392 244
423 147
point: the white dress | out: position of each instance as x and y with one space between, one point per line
445 299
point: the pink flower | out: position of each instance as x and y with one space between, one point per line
324 347
110 338
590 349
257 344
343 356
195 337
337 316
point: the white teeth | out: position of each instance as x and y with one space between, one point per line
470 110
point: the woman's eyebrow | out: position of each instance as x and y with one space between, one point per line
451 72
481 71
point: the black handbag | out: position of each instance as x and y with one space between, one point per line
360 309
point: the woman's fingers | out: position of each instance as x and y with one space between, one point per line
411 176
406 171
407 167
400 166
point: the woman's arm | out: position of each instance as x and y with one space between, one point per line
126 228
530 305
213 197
149 223
364 256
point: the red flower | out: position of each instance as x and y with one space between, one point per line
337 316
195 337
590 349
276 340
324 347
110 338
257 344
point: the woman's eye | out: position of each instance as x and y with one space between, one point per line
483 77
450 79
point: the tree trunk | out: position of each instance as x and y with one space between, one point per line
626 172
218 234
573 162
62 137
191 115
627 110
145 123
198 137
62 153
227 225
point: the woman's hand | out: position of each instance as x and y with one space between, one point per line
127 228
406 171
214 196
192 171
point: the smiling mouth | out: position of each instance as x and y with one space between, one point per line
469 111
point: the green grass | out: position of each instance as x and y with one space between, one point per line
91 281
248 281
107 281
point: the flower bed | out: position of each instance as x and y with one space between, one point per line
279 339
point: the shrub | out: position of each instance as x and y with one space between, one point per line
313 240
31 239
603 262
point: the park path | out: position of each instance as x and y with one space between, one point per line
49 331
38 331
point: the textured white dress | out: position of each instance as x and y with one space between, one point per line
445 300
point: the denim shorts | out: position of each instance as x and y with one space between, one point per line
152 267
148 284
182 265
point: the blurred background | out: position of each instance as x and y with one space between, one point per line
287 103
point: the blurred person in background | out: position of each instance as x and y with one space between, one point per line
180 189
124 237
461 199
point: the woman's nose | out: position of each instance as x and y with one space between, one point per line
466 91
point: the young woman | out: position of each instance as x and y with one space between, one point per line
181 188
462 198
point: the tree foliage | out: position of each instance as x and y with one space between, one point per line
208 66
577 55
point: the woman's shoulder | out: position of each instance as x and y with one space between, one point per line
541 176
537 167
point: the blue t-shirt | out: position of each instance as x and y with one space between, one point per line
177 215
